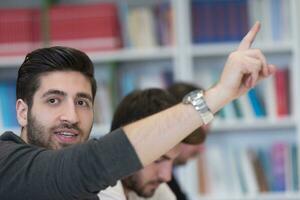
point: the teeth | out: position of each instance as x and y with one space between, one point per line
67 134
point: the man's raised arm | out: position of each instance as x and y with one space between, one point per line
155 135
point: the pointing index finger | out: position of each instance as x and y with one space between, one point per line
249 38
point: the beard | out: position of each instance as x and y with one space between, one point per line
135 184
38 135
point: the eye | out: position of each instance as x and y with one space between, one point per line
83 103
53 101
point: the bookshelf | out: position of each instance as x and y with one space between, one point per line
188 61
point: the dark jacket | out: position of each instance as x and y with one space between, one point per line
78 172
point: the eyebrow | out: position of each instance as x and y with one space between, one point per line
51 92
85 95
62 93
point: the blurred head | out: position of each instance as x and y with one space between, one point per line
191 145
137 105
187 152
55 94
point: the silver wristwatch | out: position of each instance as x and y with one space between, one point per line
196 99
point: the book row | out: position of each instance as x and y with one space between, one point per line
89 27
248 170
109 26
270 100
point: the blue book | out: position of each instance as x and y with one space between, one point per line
128 83
2 103
256 103
8 104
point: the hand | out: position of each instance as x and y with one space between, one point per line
244 68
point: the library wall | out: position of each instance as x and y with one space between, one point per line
252 149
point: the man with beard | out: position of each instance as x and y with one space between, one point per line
145 183
55 93
148 181
191 146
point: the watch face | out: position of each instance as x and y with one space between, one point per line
195 98
192 96
196 94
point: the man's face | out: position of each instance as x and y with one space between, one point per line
145 182
62 111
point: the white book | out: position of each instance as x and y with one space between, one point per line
266 19
104 107
233 175
248 172
258 12
142 27
246 108
217 172
269 96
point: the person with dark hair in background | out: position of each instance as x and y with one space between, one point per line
146 183
191 146
55 95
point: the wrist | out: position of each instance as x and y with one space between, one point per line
216 98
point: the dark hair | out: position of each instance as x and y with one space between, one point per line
180 89
140 104
44 60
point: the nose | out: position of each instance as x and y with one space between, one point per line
69 113
165 171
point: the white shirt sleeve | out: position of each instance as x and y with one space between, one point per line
113 193
163 192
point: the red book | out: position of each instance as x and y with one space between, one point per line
282 91
20 30
87 27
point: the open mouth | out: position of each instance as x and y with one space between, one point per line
66 136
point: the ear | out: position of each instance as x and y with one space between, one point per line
22 111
